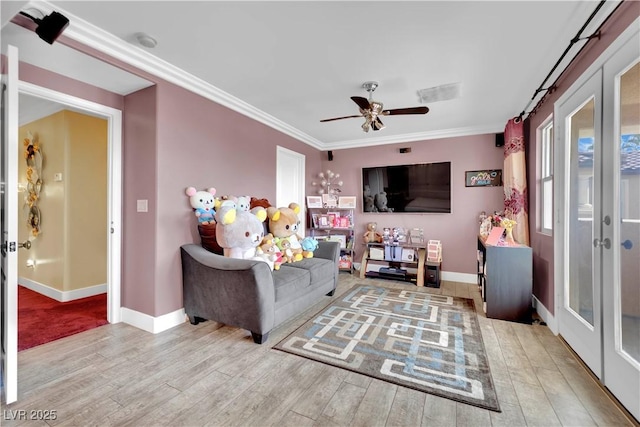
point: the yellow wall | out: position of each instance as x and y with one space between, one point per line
71 250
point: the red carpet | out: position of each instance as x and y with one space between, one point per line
42 319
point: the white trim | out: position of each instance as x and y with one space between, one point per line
546 315
114 191
152 324
452 276
103 41
62 296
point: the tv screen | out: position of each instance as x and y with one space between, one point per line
416 188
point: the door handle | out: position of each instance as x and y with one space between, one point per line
600 243
628 244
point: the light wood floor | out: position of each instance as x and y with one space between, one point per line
212 374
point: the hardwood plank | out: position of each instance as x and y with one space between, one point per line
342 407
439 411
510 416
468 415
293 419
407 408
312 401
376 404
535 405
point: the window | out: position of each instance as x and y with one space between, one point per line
545 185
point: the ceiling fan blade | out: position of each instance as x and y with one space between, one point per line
340 118
363 103
377 124
412 110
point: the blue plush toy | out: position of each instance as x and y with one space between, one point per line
309 244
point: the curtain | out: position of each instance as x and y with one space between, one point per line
515 180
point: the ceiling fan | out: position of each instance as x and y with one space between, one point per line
372 110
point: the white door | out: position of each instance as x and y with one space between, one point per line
10 226
290 182
621 203
597 196
578 168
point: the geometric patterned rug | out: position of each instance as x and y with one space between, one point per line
424 341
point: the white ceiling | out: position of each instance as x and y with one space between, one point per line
292 63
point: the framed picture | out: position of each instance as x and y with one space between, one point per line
323 221
314 220
330 200
484 178
333 218
347 202
339 238
314 201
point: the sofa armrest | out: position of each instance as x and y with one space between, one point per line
235 292
328 250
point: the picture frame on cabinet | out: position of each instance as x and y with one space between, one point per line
314 201
323 221
330 200
347 202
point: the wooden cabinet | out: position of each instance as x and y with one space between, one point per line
335 224
505 277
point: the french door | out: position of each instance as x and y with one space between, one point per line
598 234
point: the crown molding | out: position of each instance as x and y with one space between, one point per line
95 37
105 42
419 136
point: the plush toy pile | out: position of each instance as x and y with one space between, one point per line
237 224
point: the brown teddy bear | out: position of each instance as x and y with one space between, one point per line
372 235
284 224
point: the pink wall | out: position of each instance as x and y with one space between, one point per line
203 144
542 245
139 238
458 230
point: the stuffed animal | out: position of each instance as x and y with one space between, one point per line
381 202
240 232
284 245
243 202
369 203
203 204
372 235
284 223
309 244
270 252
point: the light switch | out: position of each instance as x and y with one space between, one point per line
143 206
57 177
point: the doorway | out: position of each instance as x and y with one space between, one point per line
62 265
597 196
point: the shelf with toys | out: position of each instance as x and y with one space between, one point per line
393 253
334 223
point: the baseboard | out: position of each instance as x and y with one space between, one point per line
62 296
452 276
545 315
153 324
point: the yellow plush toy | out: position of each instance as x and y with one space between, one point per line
284 224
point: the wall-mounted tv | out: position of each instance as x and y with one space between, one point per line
415 188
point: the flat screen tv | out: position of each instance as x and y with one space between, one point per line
419 188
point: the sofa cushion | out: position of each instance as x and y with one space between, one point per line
289 284
319 268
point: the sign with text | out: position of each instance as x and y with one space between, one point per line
485 178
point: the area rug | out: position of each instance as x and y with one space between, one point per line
427 342
42 319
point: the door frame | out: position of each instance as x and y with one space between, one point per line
288 191
113 228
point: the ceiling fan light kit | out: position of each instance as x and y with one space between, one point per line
372 110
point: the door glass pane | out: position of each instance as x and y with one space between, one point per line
580 286
629 268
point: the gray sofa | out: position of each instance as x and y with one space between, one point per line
247 294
